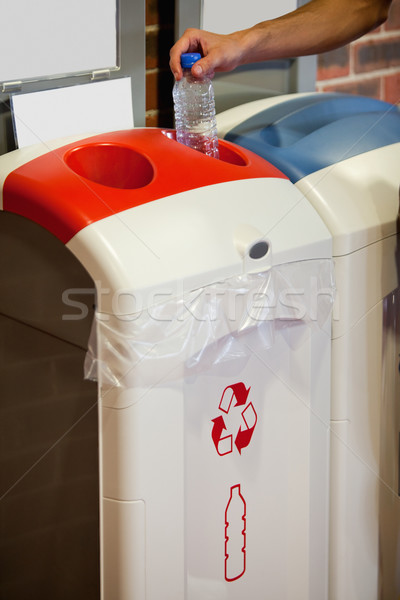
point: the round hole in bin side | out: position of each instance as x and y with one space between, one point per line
259 250
111 165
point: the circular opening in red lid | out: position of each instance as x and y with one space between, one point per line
232 155
111 165
227 152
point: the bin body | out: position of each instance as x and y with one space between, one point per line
343 154
212 349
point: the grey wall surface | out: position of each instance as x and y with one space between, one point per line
49 471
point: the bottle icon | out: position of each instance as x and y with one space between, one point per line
194 106
235 535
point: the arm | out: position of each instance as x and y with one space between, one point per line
318 26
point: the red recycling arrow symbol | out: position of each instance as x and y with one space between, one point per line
244 435
218 428
237 391
224 445
243 439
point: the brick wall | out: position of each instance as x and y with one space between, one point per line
369 66
160 16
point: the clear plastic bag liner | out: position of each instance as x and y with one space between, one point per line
192 331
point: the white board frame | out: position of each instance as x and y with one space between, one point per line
51 38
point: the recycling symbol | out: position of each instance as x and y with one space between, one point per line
233 399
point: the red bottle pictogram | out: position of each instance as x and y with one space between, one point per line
235 535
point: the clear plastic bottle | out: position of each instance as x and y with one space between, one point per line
194 105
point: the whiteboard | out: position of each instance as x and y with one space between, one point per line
225 16
45 38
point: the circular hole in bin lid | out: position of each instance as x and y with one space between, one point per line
227 153
111 165
232 156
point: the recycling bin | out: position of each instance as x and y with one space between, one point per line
211 348
343 153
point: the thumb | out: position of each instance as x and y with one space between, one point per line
203 67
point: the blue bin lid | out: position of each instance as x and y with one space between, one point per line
307 133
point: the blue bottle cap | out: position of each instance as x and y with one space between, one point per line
189 58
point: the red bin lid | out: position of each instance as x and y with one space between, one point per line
71 187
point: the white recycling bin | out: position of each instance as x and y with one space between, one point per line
211 347
343 153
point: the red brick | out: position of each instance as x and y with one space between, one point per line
367 87
152 16
152 90
393 21
376 54
158 43
392 88
159 83
333 64
160 12
152 47
159 80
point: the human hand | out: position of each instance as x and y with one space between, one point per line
219 52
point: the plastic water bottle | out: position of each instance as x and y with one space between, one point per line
194 105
